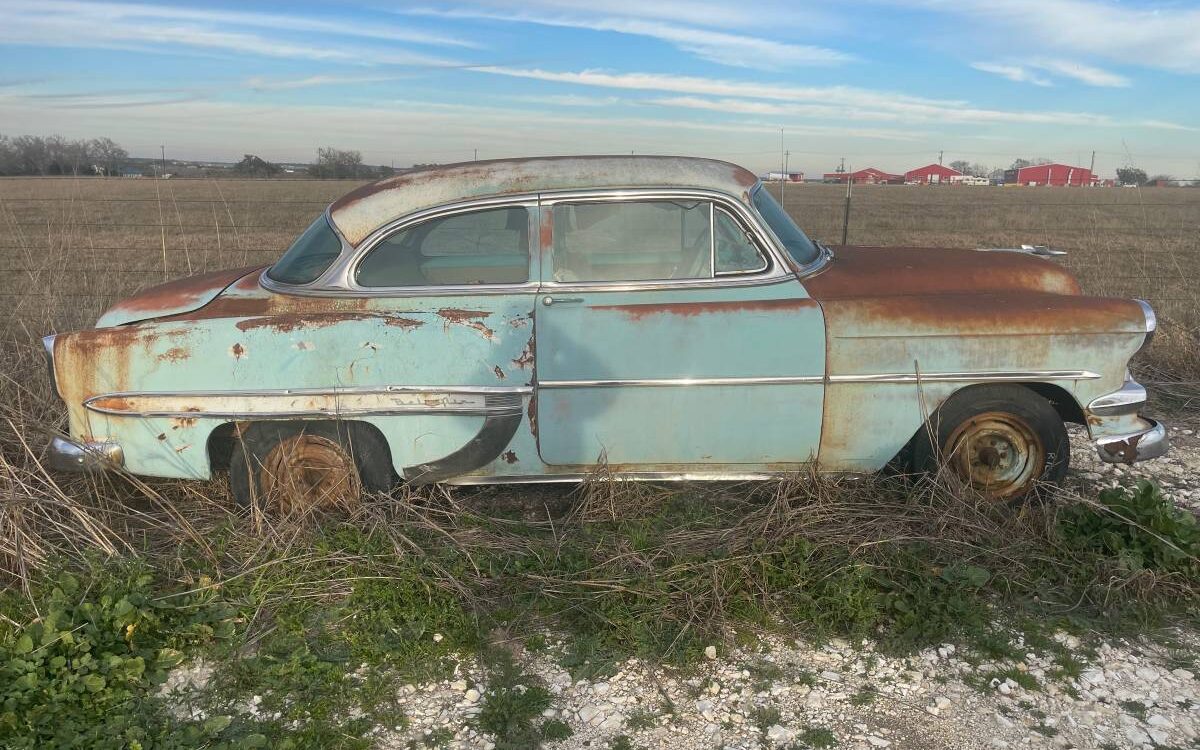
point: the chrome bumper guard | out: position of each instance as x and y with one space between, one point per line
1126 448
67 455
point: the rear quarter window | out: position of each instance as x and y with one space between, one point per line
309 256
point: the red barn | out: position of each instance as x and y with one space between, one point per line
931 174
1056 175
868 176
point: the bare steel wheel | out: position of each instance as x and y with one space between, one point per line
309 471
997 453
289 467
1002 440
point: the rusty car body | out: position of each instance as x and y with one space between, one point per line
530 320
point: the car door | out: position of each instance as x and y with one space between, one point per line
669 333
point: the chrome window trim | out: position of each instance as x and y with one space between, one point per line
727 274
319 283
338 279
380 236
48 347
811 269
777 269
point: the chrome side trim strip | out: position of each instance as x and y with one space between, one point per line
660 382
634 476
966 377
319 403
898 377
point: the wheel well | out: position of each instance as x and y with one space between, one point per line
1062 401
1058 397
224 439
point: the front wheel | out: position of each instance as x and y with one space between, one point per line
1001 440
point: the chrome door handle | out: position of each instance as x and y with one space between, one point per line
548 300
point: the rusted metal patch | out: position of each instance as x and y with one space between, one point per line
470 318
287 322
525 359
691 309
175 354
173 297
902 271
509 457
499 373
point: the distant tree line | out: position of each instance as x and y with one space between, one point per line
336 163
55 155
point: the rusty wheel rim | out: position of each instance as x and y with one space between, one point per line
997 453
309 472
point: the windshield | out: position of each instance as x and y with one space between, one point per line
309 255
798 245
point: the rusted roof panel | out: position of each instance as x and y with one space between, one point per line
364 210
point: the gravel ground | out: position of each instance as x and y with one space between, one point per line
1131 694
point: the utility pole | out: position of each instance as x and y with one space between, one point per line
940 157
163 151
1092 168
476 157
782 166
842 167
787 155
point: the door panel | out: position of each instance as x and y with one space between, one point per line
722 375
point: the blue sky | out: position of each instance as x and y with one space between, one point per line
886 83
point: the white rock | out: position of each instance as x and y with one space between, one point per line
1158 720
471 696
601 688
1183 674
437 637
780 735
1136 735
710 652
876 741
613 722
831 676
1147 673
587 713
1159 736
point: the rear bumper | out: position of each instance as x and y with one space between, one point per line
68 455
1121 434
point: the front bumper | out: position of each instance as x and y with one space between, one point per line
68 455
1139 446
1121 434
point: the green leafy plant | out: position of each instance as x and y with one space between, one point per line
85 674
1139 528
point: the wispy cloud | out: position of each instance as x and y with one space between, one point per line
56 23
259 83
1017 73
832 101
739 50
1088 74
1161 35
1033 72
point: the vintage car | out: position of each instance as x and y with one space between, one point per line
531 320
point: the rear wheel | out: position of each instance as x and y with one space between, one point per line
1002 440
288 467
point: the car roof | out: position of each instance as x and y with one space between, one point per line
360 212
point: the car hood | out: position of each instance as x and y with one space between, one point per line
173 298
904 271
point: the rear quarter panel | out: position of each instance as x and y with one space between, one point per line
250 340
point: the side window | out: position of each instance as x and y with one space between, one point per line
632 241
734 250
480 247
